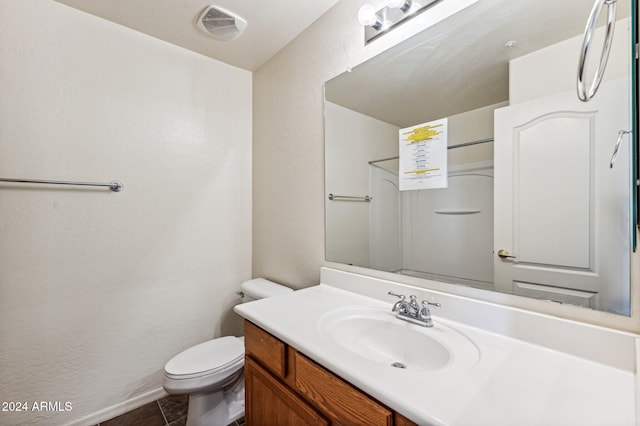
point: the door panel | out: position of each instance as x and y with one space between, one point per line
553 190
559 208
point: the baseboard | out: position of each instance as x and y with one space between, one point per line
118 409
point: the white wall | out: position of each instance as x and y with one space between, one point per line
288 174
353 139
98 289
553 69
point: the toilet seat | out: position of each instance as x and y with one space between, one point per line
208 358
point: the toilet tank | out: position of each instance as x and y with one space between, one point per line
259 288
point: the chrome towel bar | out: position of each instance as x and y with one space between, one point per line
365 199
115 186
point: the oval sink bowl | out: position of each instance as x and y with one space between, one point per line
377 335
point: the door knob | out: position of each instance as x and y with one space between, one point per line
503 254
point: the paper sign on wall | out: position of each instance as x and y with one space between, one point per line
423 156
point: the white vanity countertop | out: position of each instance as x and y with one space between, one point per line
513 383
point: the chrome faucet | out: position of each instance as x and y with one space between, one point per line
412 311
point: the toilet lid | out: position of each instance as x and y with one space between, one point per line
259 288
209 356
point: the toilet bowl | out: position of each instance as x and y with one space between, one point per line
211 373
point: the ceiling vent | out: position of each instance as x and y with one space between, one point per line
221 24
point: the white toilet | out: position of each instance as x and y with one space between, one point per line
212 372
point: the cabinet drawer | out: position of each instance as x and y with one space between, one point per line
265 348
334 397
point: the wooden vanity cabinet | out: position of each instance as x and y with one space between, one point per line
284 387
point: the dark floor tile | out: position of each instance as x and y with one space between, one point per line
174 407
179 422
147 415
240 422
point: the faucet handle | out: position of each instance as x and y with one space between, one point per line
425 303
399 303
401 296
425 312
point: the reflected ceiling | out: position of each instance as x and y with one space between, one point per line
398 75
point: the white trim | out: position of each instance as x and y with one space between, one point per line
118 409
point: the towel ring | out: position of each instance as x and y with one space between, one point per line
583 94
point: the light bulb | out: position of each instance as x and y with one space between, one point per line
367 16
403 5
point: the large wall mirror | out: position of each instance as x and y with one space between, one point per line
534 204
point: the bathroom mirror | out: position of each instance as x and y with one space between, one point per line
532 204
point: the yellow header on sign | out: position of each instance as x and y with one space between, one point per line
421 134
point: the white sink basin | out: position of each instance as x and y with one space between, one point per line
377 335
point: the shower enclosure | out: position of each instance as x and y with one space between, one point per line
444 234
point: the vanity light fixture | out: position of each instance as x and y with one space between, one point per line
368 17
403 5
395 12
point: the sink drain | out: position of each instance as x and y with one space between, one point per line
398 365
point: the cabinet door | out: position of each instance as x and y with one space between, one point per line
269 402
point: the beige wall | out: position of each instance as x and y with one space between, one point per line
288 149
472 126
98 290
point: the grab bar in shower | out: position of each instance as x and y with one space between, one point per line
115 186
583 94
365 199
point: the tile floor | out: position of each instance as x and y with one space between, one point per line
168 411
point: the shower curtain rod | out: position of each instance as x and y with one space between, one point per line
115 186
460 145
